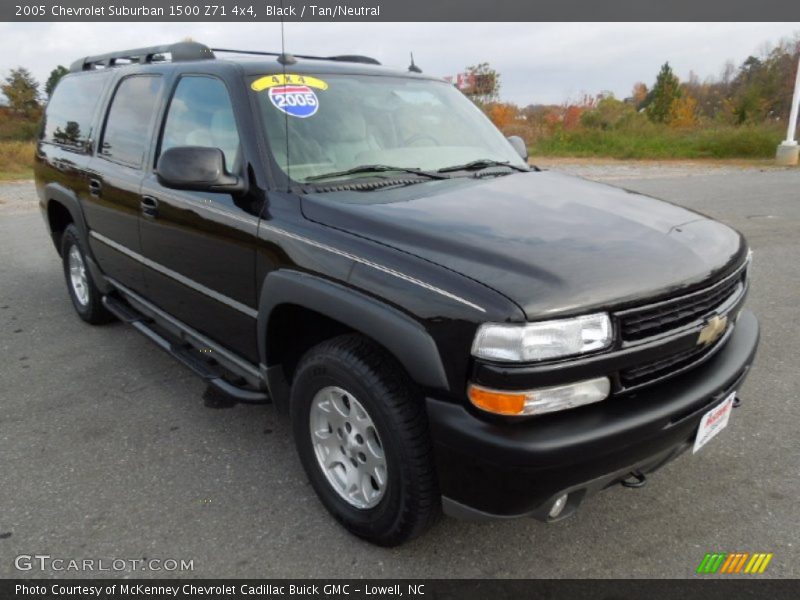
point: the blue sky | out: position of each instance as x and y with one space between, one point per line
538 62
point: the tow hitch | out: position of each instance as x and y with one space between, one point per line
636 479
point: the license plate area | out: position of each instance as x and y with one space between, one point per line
714 421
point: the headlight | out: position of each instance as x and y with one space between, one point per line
543 340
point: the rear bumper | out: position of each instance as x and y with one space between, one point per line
502 470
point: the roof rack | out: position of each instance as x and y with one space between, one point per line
356 58
182 51
188 51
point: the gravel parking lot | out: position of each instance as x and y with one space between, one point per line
106 449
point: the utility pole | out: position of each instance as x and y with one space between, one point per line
788 150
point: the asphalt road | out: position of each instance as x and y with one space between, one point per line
106 449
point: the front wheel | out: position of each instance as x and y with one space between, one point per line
362 437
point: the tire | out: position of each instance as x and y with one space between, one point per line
352 373
86 298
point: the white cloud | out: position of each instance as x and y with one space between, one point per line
539 62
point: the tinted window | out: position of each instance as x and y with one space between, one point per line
68 120
125 137
200 114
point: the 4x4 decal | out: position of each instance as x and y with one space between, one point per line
292 94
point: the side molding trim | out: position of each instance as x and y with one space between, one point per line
198 287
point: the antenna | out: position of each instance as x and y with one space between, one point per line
285 59
412 67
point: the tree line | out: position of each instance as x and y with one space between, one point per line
756 92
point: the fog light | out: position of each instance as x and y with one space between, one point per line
558 506
541 400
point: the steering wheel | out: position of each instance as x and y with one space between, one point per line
419 137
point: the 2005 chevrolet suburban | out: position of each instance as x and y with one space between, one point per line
446 326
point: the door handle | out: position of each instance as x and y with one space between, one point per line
95 187
149 206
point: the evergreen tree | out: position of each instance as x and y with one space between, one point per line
666 90
55 76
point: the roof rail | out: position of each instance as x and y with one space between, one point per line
182 51
356 58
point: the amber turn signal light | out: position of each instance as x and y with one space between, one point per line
501 403
540 400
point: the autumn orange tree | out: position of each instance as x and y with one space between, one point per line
683 112
502 114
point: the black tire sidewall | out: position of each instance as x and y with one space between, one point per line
328 370
93 310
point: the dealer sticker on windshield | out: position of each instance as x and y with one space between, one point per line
295 100
292 94
713 422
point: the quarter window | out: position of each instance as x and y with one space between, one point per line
201 114
68 120
125 138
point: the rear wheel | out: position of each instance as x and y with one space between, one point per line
86 298
362 436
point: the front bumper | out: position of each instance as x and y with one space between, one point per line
494 469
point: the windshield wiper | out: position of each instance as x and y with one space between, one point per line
361 169
482 163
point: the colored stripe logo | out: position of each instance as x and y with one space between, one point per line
734 563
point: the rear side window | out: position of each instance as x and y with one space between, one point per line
125 138
201 114
69 116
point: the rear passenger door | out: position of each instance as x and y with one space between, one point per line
200 246
112 205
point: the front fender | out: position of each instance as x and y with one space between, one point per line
405 338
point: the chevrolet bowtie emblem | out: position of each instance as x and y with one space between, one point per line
714 328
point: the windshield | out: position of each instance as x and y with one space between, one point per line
339 123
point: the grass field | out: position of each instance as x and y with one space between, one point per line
661 142
16 159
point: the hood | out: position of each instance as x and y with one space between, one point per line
549 242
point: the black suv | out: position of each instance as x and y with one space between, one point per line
446 326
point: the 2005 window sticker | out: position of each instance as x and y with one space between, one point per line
292 94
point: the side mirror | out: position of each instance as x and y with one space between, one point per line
519 145
196 168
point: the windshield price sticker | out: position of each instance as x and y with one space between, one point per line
292 94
